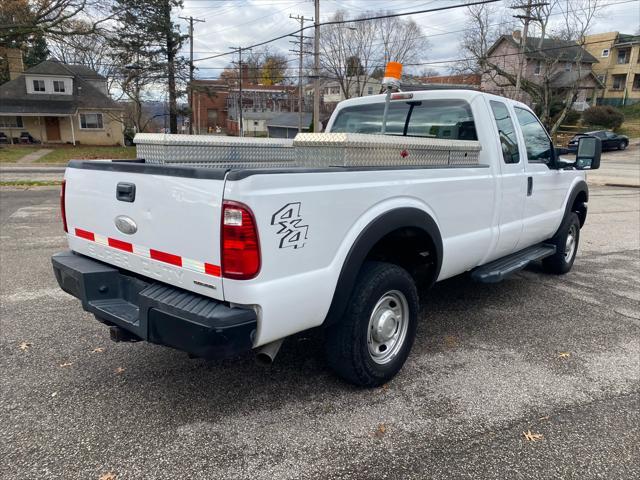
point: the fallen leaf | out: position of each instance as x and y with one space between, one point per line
532 437
381 430
564 355
543 418
25 345
120 370
54 394
97 350
450 341
385 386
108 476
68 364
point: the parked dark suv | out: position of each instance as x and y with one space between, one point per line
610 140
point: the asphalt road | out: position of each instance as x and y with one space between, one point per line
554 356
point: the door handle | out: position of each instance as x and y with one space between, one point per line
529 186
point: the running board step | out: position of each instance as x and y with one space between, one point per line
497 270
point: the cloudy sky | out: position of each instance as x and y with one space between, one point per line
245 22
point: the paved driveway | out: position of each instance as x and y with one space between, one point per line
555 357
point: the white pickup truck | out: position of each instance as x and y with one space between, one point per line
220 245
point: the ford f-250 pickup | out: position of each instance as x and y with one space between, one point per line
220 245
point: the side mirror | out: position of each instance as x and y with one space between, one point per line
588 156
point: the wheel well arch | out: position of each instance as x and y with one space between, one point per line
577 201
408 237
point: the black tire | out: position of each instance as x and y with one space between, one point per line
622 145
347 343
562 261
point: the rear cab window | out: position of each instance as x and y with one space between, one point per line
506 132
447 119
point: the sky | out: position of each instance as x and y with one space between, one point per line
233 23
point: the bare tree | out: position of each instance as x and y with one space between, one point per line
92 50
369 45
550 48
21 18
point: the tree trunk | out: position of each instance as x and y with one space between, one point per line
171 74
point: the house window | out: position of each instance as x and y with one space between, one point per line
38 86
605 53
537 68
636 82
369 90
618 82
568 66
11 122
90 120
58 86
603 78
623 56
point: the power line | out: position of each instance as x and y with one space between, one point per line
356 20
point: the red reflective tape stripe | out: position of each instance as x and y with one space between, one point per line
86 235
212 269
115 243
165 257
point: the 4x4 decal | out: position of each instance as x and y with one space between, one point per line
288 218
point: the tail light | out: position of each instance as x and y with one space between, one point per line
240 245
63 210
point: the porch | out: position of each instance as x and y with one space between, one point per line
35 128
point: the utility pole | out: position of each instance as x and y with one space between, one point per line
523 40
240 129
191 69
300 52
316 68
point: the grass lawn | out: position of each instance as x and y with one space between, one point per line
87 152
11 153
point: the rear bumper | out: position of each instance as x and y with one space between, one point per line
154 311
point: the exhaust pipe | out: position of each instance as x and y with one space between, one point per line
267 353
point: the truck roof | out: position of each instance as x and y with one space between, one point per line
457 93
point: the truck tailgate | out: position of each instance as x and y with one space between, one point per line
157 221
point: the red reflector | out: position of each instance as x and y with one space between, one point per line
240 243
126 246
86 235
212 269
165 257
63 211
401 96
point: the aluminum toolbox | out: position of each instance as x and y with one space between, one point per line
307 150
214 151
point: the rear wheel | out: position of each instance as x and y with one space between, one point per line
566 242
622 145
369 345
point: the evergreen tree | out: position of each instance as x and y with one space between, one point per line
36 51
148 39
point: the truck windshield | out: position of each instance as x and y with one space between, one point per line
450 119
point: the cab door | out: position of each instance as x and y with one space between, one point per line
546 187
512 181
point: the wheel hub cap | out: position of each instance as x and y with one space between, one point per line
388 325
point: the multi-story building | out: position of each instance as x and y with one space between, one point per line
618 66
559 63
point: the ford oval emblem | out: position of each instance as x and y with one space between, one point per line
126 225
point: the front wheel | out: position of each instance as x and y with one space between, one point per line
566 242
622 145
371 342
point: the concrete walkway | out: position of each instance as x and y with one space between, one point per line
34 156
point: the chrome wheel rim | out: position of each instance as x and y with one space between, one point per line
570 245
388 326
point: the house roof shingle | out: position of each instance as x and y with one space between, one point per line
15 100
562 50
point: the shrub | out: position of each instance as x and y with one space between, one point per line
603 116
